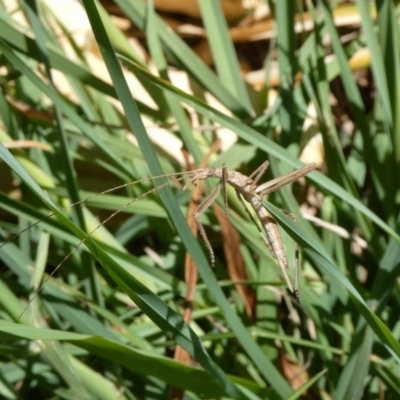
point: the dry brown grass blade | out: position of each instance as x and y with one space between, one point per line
28 111
191 280
190 267
27 144
234 261
294 373
190 272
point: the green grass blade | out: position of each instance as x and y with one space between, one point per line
138 361
185 56
223 52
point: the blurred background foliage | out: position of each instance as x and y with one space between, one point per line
97 95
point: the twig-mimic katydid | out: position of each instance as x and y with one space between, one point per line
246 187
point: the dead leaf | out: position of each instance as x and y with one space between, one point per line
293 372
234 261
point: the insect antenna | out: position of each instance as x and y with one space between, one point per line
104 222
185 173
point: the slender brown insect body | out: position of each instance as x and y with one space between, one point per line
246 188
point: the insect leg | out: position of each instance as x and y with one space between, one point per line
202 207
259 172
255 223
